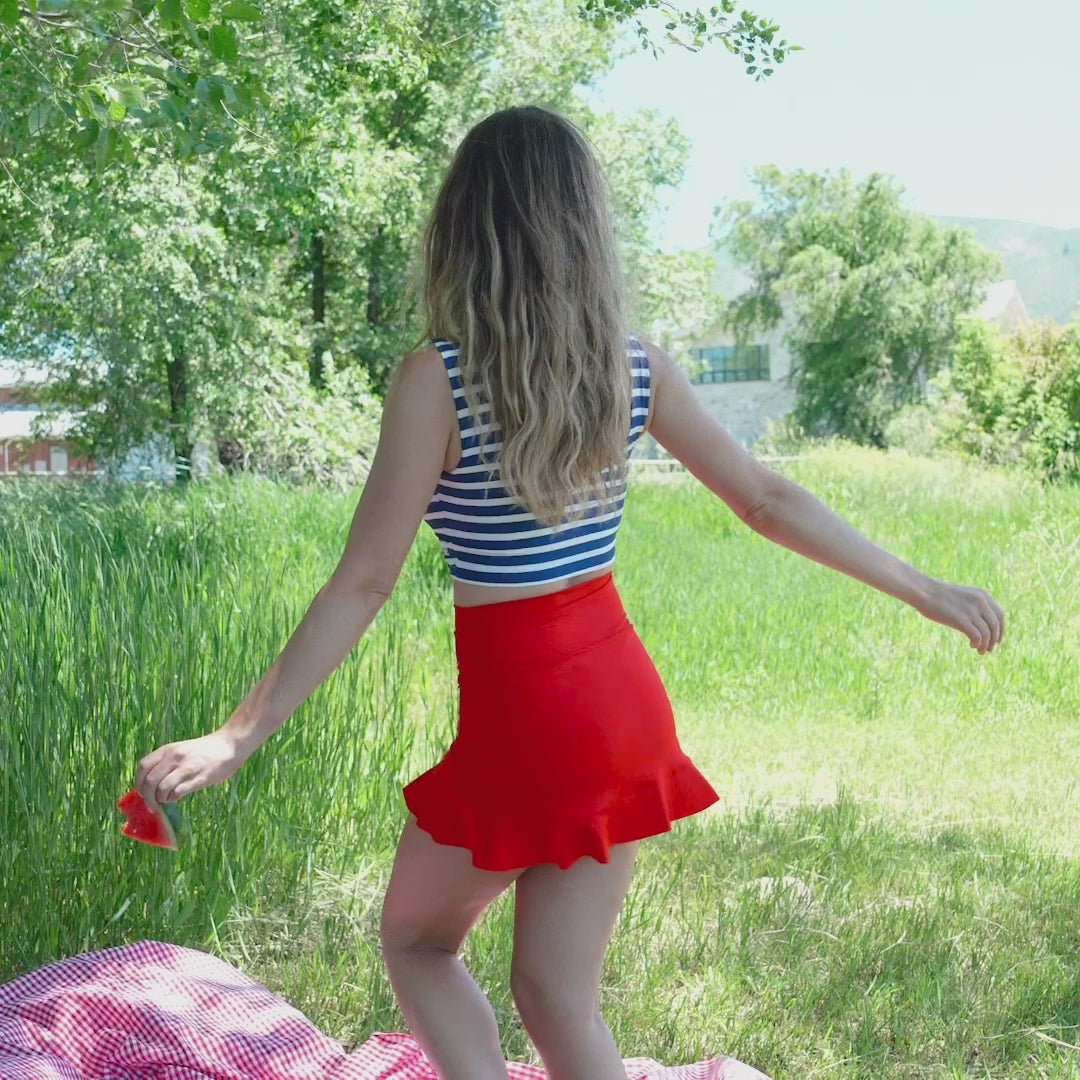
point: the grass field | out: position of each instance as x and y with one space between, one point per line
888 888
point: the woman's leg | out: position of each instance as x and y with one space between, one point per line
435 895
563 921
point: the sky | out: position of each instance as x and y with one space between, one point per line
972 105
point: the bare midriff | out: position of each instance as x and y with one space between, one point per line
468 594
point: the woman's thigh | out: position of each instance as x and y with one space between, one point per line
435 893
563 920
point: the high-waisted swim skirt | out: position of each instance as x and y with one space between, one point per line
566 741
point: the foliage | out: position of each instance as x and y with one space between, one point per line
672 298
283 427
869 292
1005 400
163 293
109 79
134 299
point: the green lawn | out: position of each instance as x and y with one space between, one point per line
887 889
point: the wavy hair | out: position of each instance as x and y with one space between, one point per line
520 270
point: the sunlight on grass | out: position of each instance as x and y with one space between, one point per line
887 888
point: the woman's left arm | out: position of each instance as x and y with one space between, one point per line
412 449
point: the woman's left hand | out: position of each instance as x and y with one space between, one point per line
177 769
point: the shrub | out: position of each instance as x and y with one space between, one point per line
278 425
1004 400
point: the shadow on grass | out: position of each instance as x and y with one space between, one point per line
830 938
821 941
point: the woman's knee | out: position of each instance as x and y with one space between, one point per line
399 934
546 998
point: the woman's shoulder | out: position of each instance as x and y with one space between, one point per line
423 370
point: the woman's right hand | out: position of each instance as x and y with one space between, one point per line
177 769
974 612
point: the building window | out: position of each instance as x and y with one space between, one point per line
58 460
732 363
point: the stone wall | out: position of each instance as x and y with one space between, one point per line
744 408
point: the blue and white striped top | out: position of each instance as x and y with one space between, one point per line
487 537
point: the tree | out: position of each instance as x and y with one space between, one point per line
109 79
132 297
672 296
874 292
177 299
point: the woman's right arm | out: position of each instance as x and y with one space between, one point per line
788 514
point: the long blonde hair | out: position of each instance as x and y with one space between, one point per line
520 269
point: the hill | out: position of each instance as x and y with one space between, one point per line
1044 262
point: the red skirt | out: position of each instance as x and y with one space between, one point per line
566 740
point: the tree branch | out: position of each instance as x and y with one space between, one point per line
18 187
54 17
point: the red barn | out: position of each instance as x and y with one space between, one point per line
20 450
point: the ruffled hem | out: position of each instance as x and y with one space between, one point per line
506 835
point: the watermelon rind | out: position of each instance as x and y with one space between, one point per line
163 818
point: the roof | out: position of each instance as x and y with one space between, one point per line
998 298
15 424
12 374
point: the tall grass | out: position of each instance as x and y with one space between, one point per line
136 617
886 890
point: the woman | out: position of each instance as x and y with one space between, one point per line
509 435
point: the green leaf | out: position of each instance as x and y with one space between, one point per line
178 78
131 95
242 93
9 12
38 119
241 9
227 91
185 141
105 149
171 12
155 71
199 10
191 30
87 135
223 42
172 107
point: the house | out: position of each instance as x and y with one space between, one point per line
1004 306
20 449
745 386
22 452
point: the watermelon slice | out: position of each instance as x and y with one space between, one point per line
158 828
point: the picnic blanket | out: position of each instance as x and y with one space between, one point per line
153 1011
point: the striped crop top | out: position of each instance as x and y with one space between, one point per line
487 537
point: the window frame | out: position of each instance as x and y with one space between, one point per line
732 364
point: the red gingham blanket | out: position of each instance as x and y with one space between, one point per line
152 1011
